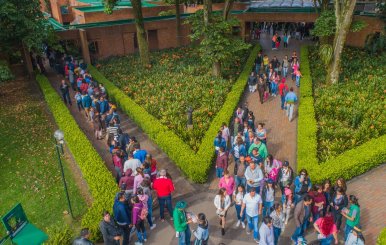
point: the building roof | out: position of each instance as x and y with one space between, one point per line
97 5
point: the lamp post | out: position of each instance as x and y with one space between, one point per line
59 140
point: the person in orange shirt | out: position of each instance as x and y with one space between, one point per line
274 39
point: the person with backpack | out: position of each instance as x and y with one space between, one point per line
262 148
278 218
268 197
283 90
238 196
219 141
303 185
64 89
86 102
202 231
181 223
261 133
139 216
271 168
355 237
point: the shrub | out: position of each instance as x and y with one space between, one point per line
349 164
382 237
5 72
99 179
194 165
177 80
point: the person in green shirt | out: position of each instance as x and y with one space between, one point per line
352 216
260 146
181 223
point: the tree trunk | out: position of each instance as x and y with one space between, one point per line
227 8
141 33
178 23
216 69
27 61
207 11
344 16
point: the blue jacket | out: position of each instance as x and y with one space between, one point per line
298 184
122 213
291 98
140 155
218 143
86 101
242 150
104 106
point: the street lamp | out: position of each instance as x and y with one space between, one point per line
59 141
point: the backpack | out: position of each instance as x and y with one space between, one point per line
240 170
278 163
143 213
273 174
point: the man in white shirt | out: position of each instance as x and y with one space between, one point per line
132 163
253 205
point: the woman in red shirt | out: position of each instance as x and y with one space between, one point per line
319 202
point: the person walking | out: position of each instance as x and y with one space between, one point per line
258 62
285 178
240 168
64 89
290 100
181 223
238 196
228 183
221 162
122 216
139 216
339 202
302 216
303 185
278 218
253 175
164 188
252 204
110 231
355 237
352 215
202 232
288 203
252 82
319 202
266 232
222 202
283 90
268 197
86 102
326 230
285 64
261 89
84 238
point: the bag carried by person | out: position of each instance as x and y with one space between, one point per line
266 95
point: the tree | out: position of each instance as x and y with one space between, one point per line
344 11
227 8
217 42
22 23
141 32
178 23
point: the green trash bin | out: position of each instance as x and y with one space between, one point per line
20 230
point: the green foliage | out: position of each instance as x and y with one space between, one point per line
195 165
32 167
375 43
324 24
357 25
352 162
167 12
60 235
5 72
382 237
109 5
176 81
99 179
22 22
217 42
325 53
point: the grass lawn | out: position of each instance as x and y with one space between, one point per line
353 111
177 80
29 169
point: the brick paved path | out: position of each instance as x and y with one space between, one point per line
128 126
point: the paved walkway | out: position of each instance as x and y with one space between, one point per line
127 126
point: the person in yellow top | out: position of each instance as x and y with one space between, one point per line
266 63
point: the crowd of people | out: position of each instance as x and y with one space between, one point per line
251 186
256 178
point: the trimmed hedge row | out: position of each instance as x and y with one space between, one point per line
382 237
347 165
99 179
195 165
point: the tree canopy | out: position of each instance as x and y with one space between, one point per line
22 22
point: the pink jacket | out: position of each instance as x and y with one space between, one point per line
228 187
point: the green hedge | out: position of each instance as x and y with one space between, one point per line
99 179
382 237
195 165
347 165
